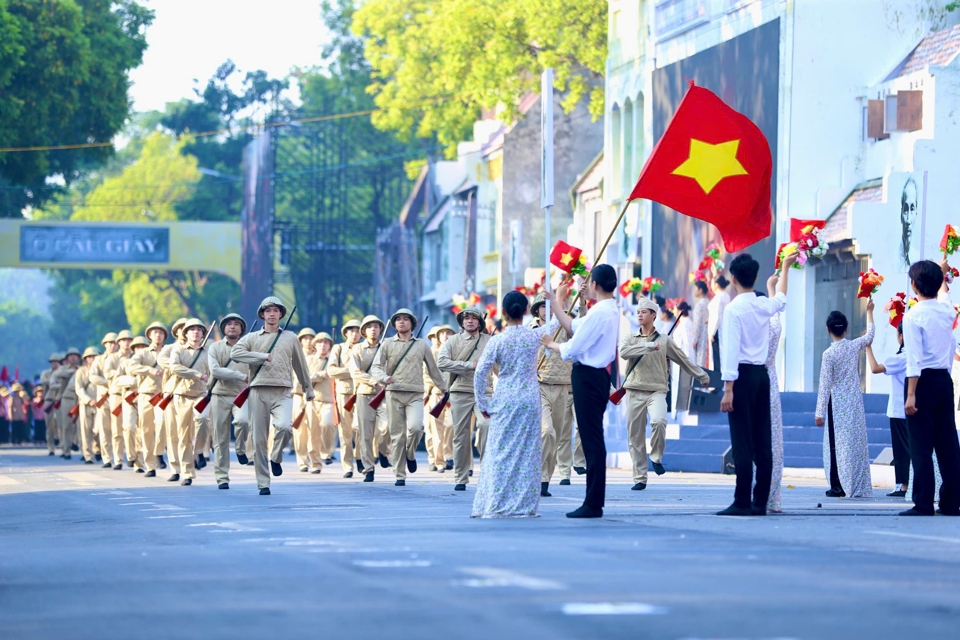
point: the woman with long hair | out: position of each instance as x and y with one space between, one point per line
699 337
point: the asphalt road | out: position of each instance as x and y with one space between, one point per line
91 553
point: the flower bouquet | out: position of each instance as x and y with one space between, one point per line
870 282
633 285
808 245
491 310
698 276
956 317
895 308
713 253
460 303
950 241
951 274
651 285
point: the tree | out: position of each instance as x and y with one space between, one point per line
438 63
24 341
63 80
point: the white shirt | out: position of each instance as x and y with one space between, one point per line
595 336
928 336
715 309
745 331
896 368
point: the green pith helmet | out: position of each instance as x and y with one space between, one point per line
139 341
470 311
538 302
433 332
349 324
126 334
177 327
195 322
272 301
157 325
90 352
444 327
110 337
233 316
404 312
306 331
371 320
323 335
55 357
72 351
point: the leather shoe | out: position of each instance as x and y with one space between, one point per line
141 470
359 465
315 471
836 493
734 510
99 458
580 470
758 511
174 478
368 476
658 468
640 486
304 469
400 483
899 493
275 468
201 461
383 461
470 473
915 512
412 465
161 462
565 482
107 465
223 485
265 491
459 487
242 459
117 467
88 462
448 465
186 482
151 474
543 490
348 474
952 512
586 512
433 467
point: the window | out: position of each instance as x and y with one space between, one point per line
628 145
615 158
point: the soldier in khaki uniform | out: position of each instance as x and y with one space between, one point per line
367 386
271 372
399 366
339 370
445 421
168 436
125 425
229 378
49 391
189 364
301 438
67 397
431 395
99 378
129 383
86 391
647 389
321 413
459 356
144 365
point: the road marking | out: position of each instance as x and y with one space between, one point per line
493 577
226 527
391 564
130 504
916 536
165 507
611 609
81 476
187 515
7 480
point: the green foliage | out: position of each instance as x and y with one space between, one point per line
438 63
24 339
63 66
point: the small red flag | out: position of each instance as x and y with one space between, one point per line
797 226
714 164
564 256
4 374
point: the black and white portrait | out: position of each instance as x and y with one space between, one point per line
909 250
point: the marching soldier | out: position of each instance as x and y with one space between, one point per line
86 390
459 356
301 439
431 396
102 418
67 397
47 381
321 414
130 412
399 366
372 446
339 369
144 365
168 437
270 383
191 368
124 426
445 421
229 378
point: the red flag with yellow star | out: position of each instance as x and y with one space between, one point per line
564 256
714 164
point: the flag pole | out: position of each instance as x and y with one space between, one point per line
546 171
623 212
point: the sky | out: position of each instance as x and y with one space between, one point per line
189 39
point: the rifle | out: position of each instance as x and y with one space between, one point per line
438 408
241 398
74 412
352 400
167 398
131 397
377 400
202 405
102 399
617 395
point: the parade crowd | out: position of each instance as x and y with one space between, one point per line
174 399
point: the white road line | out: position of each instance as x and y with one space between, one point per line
225 527
130 504
165 507
916 536
187 515
5 480
611 609
493 577
391 564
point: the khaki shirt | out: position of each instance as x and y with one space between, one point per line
189 372
429 387
455 358
286 359
297 387
163 361
144 365
361 362
554 370
85 388
320 376
111 369
97 375
232 375
339 368
51 391
126 380
64 382
653 371
407 373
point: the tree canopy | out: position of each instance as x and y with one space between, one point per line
438 63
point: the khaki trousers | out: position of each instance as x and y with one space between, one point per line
186 422
372 443
405 417
429 432
173 438
147 427
301 437
463 408
556 425
116 429
160 436
130 416
435 430
346 431
222 410
52 435
639 404
323 433
87 419
104 433
270 409
66 424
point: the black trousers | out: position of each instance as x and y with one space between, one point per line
933 428
591 392
834 473
715 347
901 450
4 430
750 434
39 431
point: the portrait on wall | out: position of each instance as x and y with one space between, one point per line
909 224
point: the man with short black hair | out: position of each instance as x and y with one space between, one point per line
229 379
744 340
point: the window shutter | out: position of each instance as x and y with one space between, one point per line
909 110
875 120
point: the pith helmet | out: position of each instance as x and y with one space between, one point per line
469 311
371 320
178 326
233 316
349 324
195 322
306 331
432 332
90 351
72 351
139 341
538 302
444 327
157 325
323 335
403 312
272 301
126 334
110 337
16 386
55 357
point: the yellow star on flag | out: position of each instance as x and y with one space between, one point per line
708 164
566 258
